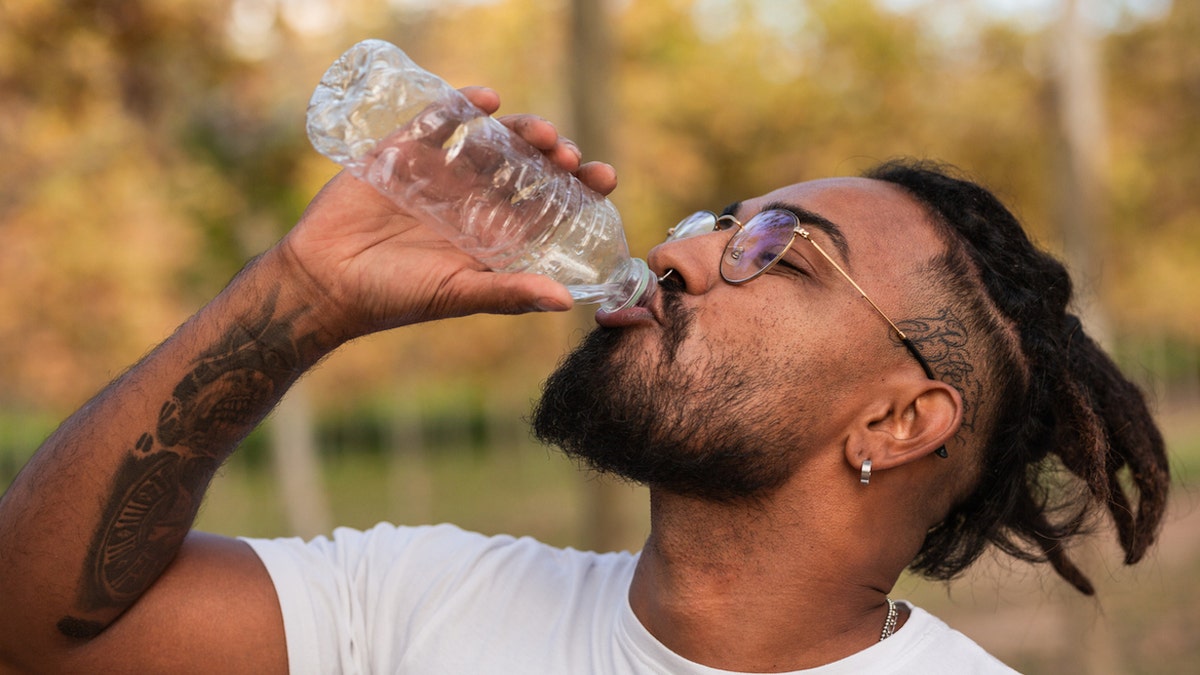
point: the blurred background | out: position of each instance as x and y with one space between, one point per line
148 149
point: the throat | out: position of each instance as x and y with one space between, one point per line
734 588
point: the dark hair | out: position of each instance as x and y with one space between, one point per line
1051 397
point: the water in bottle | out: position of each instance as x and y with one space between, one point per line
421 143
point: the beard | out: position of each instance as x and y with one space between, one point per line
704 432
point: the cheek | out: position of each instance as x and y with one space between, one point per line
745 350
822 355
847 334
776 340
717 340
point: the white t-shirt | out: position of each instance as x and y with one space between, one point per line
441 600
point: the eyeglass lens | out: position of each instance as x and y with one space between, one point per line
700 222
758 245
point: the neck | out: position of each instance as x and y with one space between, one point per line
760 588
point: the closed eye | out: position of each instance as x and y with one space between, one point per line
786 265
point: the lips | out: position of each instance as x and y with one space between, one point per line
655 313
664 308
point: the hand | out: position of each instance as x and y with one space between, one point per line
365 265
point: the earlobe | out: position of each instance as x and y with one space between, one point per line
912 426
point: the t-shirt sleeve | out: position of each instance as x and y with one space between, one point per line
306 578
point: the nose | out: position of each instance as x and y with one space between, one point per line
695 260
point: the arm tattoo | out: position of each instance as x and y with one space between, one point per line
942 340
157 490
222 397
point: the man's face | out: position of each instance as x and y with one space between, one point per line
732 389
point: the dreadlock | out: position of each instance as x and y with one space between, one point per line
1053 399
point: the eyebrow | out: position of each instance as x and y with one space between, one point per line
806 217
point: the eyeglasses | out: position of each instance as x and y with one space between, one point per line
761 243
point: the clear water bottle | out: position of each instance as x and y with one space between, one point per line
422 144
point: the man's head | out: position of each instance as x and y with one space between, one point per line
745 386
741 385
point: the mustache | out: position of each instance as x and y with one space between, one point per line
677 317
675 320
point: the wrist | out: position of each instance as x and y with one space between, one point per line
289 307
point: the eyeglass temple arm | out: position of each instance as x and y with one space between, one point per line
908 344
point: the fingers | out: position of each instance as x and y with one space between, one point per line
538 132
599 176
484 98
542 134
561 150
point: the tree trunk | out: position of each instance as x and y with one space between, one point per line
1083 161
1083 213
297 466
606 512
410 483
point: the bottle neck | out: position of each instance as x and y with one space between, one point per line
638 288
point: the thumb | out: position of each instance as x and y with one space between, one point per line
517 293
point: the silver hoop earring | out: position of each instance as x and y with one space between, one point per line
865 476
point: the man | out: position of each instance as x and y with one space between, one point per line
837 381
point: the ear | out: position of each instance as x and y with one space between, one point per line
918 418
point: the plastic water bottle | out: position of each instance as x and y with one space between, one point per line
422 144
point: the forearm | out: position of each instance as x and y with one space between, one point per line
103 507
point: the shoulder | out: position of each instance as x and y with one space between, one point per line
445 551
402 570
924 644
430 542
437 598
930 646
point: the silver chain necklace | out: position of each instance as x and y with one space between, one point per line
889 624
